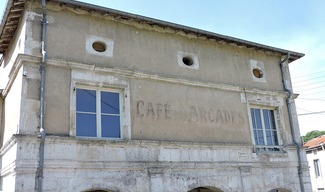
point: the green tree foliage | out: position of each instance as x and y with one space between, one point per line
311 135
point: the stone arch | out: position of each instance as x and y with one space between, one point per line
98 190
205 189
280 190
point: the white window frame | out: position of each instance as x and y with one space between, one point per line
98 109
265 148
99 81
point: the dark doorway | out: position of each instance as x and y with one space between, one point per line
205 189
279 190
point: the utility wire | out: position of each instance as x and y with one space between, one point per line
300 76
309 79
303 85
311 99
312 113
304 110
308 93
313 93
312 88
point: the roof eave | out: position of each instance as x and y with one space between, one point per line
210 35
4 18
9 23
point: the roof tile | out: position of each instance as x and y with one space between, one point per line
318 141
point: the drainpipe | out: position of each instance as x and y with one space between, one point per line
39 172
289 106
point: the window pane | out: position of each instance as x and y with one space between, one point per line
86 100
256 137
272 121
258 119
275 137
257 126
110 103
253 118
260 137
86 125
111 126
269 137
269 119
266 117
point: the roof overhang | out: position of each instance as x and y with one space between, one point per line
10 21
311 148
14 10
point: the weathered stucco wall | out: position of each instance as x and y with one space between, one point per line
165 111
8 174
57 107
172 111
12 109
154 50
30 98
175 111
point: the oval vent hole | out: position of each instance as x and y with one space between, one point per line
188 61
99 46
257 73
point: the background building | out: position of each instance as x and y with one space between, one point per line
130 103
316 158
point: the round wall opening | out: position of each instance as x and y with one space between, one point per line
188 61
257 73
99 46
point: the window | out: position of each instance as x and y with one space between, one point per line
317 167
97 113
264 129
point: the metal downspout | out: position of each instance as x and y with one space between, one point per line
289 106
39 172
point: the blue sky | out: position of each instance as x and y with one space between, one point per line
296 25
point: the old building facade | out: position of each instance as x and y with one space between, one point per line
95 99
315 152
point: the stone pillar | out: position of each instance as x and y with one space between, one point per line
156 179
